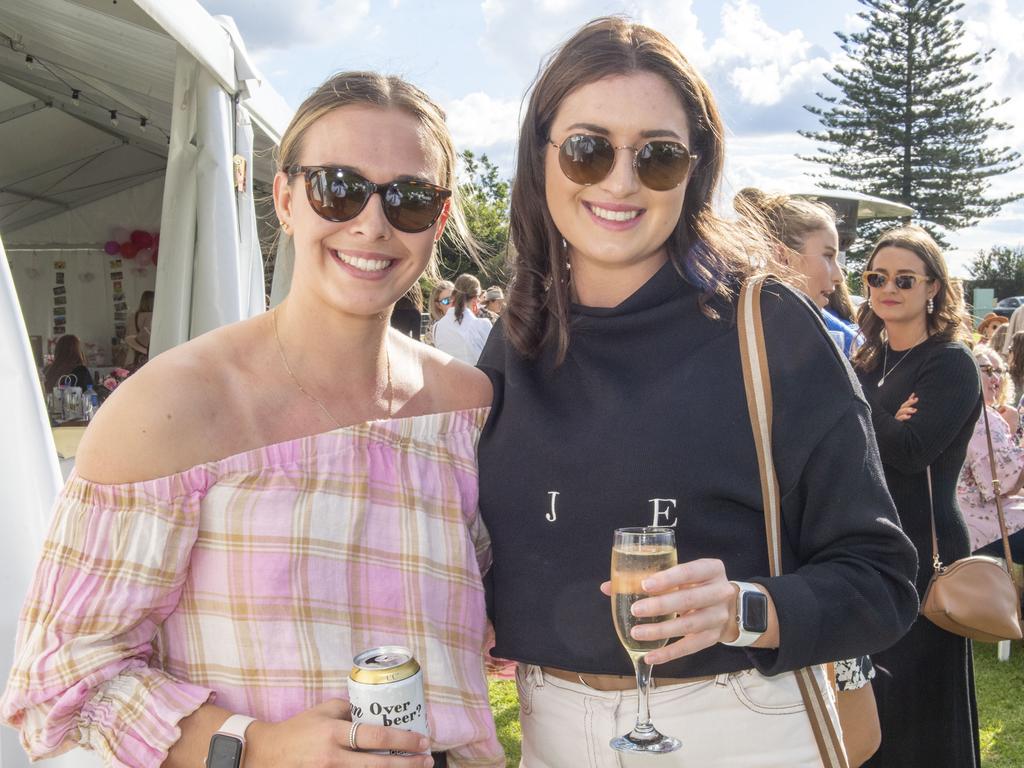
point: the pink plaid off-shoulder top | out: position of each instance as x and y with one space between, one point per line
252 581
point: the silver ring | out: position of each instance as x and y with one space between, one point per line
352 738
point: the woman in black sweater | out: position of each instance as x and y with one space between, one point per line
619 401
925 396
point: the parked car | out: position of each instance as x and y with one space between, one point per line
1006 307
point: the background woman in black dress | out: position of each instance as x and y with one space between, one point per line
923 387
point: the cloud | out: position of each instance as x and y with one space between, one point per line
272 25
478 120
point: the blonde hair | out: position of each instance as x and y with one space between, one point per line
387 92
1006 393
788 220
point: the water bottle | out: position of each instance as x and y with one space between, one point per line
90 403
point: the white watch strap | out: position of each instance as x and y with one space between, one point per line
236 726
745 638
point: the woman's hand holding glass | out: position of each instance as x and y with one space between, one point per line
703 601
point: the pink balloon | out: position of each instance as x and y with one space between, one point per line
141 239
112 247
121 234
144 256
128 250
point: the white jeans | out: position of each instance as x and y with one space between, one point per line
738 720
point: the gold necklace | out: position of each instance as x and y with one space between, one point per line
313 398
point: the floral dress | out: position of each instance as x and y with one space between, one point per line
974 489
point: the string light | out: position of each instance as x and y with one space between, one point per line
77 97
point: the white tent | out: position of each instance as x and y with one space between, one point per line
143 114
186 100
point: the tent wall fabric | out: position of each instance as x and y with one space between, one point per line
30 478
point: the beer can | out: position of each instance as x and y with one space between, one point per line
386 688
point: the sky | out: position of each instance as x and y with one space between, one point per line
764 60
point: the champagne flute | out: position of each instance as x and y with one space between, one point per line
636 554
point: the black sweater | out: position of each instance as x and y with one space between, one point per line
944 377
646 423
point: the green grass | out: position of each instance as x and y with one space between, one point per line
505 705
1000 687
1000 703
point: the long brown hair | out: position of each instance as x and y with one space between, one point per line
466 289
709 251
389 92
145 305
945 322
67 355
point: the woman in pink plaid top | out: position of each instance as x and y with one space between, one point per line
256 506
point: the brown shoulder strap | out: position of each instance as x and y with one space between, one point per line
757 383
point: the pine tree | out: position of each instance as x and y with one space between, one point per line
911 122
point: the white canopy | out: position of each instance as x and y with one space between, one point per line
868 206
135 112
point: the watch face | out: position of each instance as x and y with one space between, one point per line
225 752
755 612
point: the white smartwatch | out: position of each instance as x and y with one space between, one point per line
227 746
751 614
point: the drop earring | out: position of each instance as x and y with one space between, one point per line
931 306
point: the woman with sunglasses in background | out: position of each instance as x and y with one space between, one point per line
975 491
923 387
619 401
440 299
224 555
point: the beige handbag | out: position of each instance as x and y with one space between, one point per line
976 596
757 384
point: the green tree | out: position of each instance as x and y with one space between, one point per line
1000 268
910 121
485 198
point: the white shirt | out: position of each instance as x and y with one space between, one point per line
463 341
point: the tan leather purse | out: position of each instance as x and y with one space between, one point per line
757 383
976 596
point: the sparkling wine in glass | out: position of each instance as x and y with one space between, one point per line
636 554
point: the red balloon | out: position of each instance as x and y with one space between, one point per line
141 239
112 247
128 250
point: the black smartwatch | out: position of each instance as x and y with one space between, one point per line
227 747
751 614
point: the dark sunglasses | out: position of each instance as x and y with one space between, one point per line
904 281
990 369
660 165
338 194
